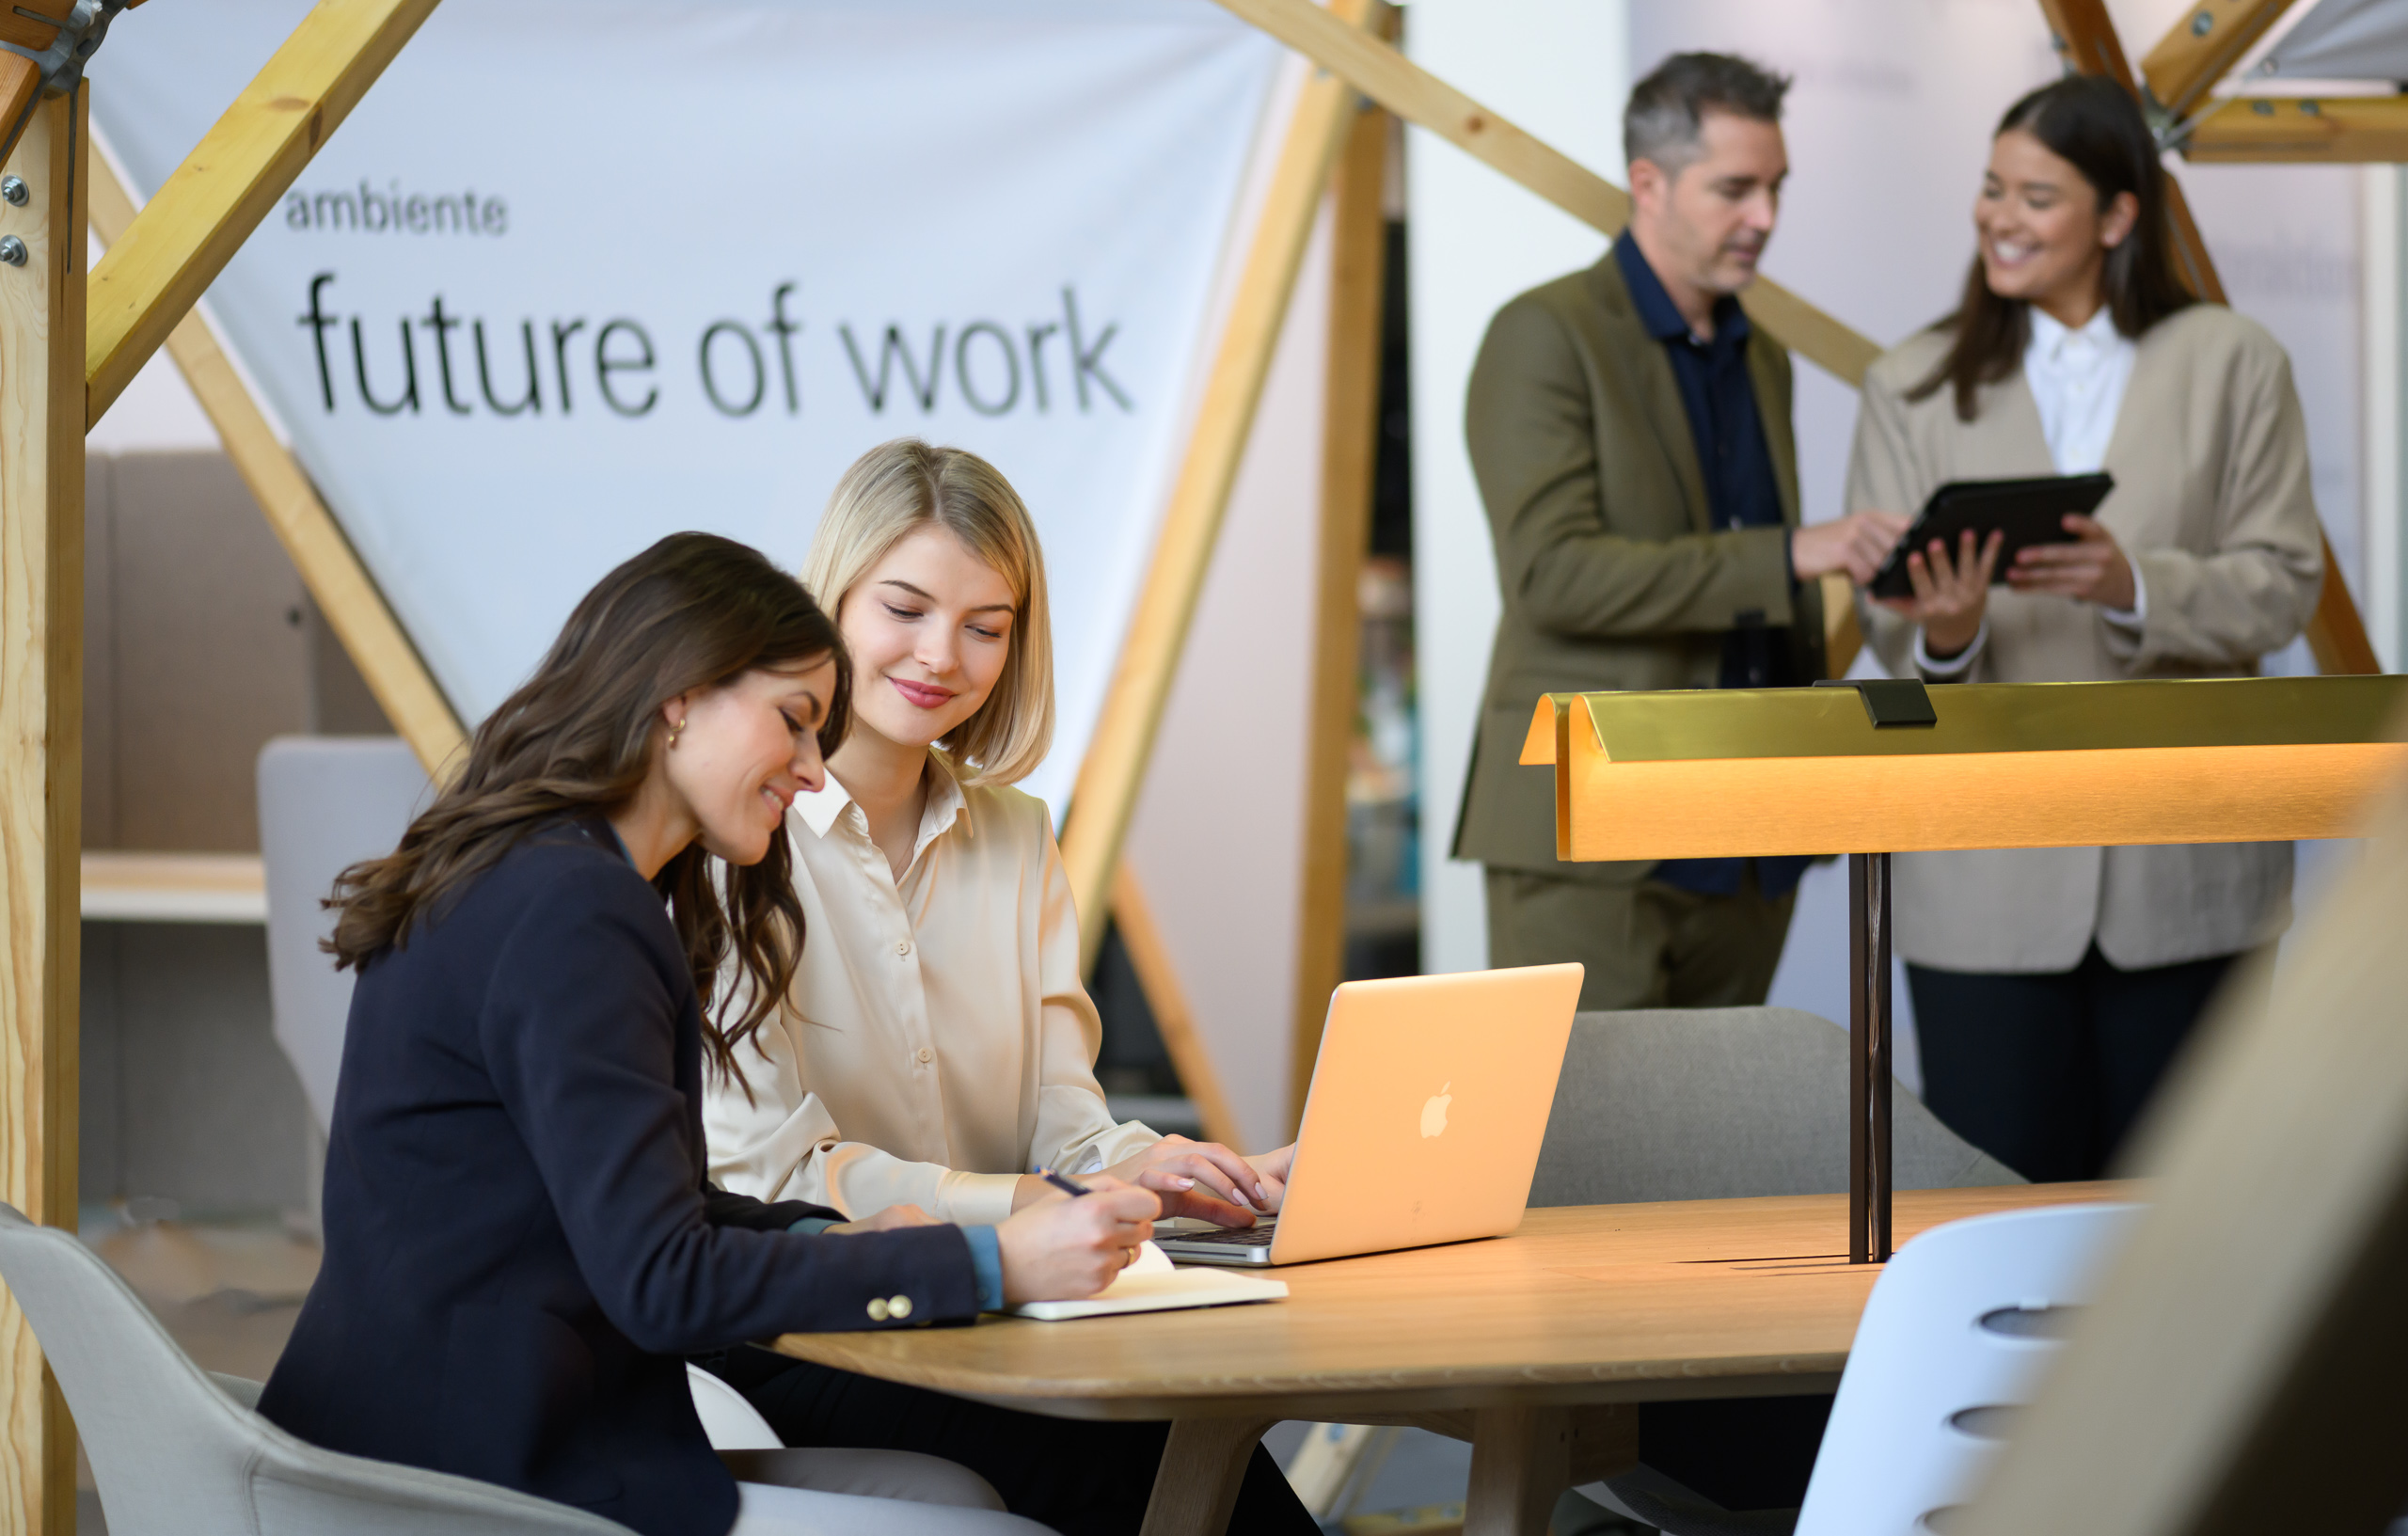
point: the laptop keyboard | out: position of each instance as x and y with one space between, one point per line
1231 1237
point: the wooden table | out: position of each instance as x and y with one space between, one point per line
1535 1347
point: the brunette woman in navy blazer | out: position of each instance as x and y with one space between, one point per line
520 1245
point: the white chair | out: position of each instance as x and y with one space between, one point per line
326 803
1951 1343
731 1423
177 1452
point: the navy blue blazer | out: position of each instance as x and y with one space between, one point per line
520 1245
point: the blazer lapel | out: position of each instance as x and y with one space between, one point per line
2012 419
1770 385
1647 373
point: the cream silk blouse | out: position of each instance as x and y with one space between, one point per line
937 1042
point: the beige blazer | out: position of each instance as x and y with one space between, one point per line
2212 505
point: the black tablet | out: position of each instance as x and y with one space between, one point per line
2029 512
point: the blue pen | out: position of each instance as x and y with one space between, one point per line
1065 1185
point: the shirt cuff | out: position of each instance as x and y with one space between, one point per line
814 1225
1955 664
2136 615
987 1261
972 1199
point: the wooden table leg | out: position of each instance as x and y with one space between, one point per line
1521 1463
1523 1458
1198 1485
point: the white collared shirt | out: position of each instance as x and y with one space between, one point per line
937 1042
2076 376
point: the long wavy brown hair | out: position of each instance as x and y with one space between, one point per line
580 737
2093 125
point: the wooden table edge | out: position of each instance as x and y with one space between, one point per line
1358 1402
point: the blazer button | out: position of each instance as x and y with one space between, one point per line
926 1056
879 1310
899 1308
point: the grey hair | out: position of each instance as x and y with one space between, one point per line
1662 122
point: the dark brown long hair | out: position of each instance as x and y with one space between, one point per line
2093 125
693 612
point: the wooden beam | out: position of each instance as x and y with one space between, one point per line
2202 47
41 768
2085 39
1350 452
2311 129
2240 1362
20 83
1114 768
35 24
1413 93
1176 1022
213 201
330 568
2337 634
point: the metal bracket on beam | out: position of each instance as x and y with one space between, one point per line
80 31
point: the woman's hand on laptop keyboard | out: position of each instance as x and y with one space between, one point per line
1199 1179
1270 1176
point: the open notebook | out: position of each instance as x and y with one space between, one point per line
1154 1284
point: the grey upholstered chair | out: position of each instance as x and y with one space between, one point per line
177 1452
1715 1103
326 803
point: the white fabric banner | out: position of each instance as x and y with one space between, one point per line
577 274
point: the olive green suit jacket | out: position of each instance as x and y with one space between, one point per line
1611 573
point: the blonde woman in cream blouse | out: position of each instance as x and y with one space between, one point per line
938 1047
2054 985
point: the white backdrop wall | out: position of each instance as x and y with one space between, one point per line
1560 69
518 334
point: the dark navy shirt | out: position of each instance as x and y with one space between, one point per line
1740 492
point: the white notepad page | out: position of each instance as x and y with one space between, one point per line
1154 1284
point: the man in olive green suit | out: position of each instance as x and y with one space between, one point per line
1631 436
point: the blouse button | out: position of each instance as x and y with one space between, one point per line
926 1056
904 947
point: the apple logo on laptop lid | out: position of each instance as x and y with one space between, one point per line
1433 1114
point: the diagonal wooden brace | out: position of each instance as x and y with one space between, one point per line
1427 101
186 234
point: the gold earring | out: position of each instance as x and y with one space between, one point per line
676 727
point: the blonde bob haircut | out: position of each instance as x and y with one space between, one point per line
900 487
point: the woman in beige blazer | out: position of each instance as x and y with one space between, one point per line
2051 987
